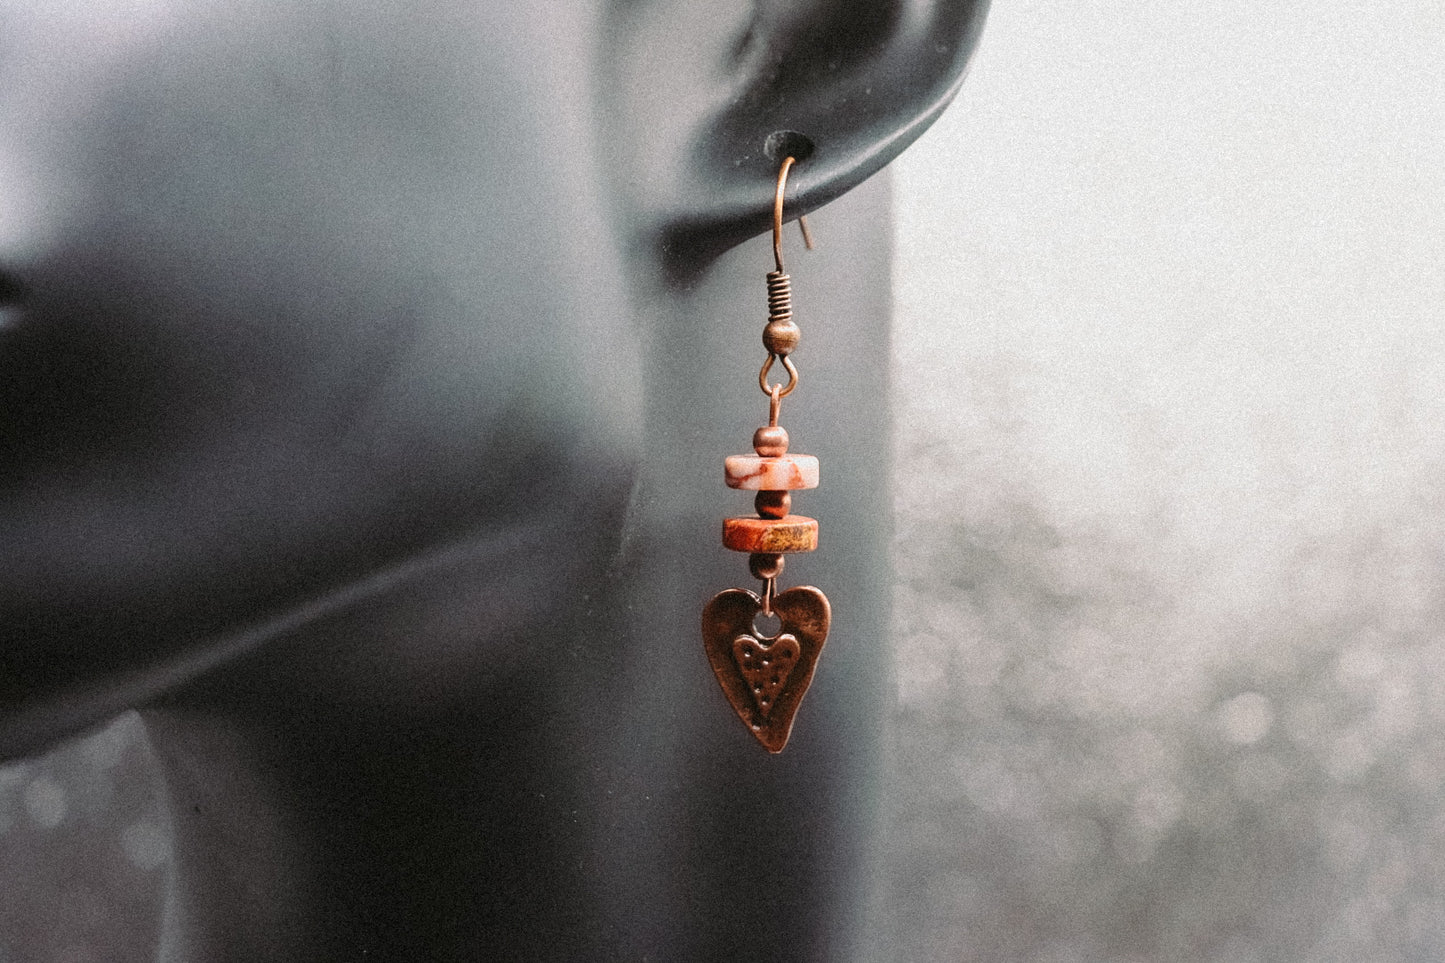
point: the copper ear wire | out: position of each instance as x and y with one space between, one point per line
781 335
788 162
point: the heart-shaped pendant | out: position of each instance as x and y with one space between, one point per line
765 678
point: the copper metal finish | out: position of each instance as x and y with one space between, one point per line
771 441
807 234
780 297
772 504
785 333
781 337
770 592
764 678
765 566
792 377
788 162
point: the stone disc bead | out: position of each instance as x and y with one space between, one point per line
770 536
782 473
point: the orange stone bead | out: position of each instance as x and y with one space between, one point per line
772 536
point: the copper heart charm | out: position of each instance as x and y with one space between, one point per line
765 678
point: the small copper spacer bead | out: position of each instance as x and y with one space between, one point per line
770 441
773 504
765 566
781 337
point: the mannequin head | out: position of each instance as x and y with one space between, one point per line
357 369
295 293
293 304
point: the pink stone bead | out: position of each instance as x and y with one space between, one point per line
783 473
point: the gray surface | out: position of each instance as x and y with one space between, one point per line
1169 500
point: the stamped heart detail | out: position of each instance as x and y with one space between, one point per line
765 668
765 678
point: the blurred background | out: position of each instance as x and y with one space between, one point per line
1169 613
1171 547
84 852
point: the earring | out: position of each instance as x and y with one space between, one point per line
765 677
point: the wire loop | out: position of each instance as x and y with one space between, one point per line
783 390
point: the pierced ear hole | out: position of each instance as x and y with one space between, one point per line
767 627
787 143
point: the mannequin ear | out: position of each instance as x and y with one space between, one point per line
705 99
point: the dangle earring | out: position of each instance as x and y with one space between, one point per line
764 677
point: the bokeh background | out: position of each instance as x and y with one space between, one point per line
84 852
1171 548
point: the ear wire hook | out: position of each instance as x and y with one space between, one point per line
778 216
780 337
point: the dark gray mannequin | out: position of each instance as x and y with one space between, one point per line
365 381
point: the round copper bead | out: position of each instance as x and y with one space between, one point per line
765 566
773 504
770 441
771 536
781 337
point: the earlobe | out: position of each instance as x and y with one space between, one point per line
705 99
